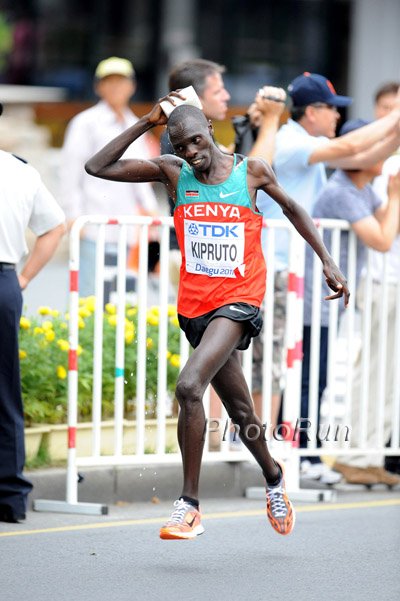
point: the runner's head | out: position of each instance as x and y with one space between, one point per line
191 136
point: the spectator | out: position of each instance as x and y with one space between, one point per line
87 132
304 146
385 99
348 195
24 202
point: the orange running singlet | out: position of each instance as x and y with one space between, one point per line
219 235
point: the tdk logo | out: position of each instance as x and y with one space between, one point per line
209 230
193 229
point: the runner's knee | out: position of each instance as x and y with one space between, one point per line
188 391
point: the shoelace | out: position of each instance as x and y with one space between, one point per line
181 508
278 505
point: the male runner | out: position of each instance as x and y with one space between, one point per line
221 287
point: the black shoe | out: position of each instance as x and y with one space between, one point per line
392 464
8 515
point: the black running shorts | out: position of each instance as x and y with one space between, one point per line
194 327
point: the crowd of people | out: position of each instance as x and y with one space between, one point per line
109 159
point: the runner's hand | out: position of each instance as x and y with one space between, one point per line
336 282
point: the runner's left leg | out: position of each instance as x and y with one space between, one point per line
219 340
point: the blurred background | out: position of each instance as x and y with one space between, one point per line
49 50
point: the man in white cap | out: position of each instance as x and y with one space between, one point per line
87 132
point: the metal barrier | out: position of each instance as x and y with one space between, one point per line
287 446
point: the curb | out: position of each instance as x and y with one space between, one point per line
134 484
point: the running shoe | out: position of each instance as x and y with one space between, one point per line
185 522
280 511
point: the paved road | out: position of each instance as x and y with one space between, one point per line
347 550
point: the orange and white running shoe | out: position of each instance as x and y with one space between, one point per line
185 522
280 511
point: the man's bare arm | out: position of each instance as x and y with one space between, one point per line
41 253
265 113
359 141
262 177
107 163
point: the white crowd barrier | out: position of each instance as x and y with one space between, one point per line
338 398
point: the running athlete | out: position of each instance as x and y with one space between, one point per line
222 284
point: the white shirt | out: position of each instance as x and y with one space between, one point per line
25 202
83 194
300 180
390 167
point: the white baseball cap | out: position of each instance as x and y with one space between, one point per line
114 66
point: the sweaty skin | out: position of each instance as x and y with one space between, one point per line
215 360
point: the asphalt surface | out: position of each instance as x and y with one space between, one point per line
343 550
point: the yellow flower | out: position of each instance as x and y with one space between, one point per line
50 335
81 323
55 313
175 360
149 343
155 310
44 310
66 316
174 321
84 312
131 312
47 325
129 336
112 320
79 350
24 323
63 344
82 301
111 309
129 325
63 325
168 354
152 319
23 354
61 372
37 330
90 303
171 310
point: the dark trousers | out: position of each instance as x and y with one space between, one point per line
305 380
14 488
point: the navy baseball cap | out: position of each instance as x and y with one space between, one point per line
312 87
351 125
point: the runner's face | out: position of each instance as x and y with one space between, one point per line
215 98
192 142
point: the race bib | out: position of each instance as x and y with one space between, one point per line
214 249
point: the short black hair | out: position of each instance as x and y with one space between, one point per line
186 110
297 112
392 87
193 73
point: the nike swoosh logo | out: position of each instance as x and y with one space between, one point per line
222 195
232 308
190 524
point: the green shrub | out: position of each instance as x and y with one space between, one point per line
44 361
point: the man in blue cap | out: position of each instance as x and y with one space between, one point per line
304 147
